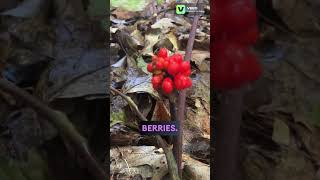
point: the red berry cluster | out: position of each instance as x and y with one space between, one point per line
169 72
235 20
234 24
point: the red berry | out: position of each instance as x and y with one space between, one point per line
163 52
185 66
160 63
234 65
188 82
178 58
150 67
173 68
234 17
248 37
178 82
184 81
167 85
187 72
156 81
166 62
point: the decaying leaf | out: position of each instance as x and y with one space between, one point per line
199 57
165 24
196 170
150 40
75 77
161 112
139 84
173 39
147 161
150 162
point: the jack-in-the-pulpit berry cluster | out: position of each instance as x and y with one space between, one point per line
169 72
235 30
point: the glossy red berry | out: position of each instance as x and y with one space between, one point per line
188 82
185 66
232 18
247 37
239 15
184 81
178 58
166 62
163 52
167 85
156 81
178 82
234 65
173 68
160 63
150 67
187 72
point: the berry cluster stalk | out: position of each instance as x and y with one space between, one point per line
226 157
177 141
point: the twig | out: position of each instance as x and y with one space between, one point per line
131 103
177 144
61 122
172 165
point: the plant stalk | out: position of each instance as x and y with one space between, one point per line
226 157
177 142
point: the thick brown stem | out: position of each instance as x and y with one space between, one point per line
226 157
177 142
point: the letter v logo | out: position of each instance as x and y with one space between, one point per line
180 9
